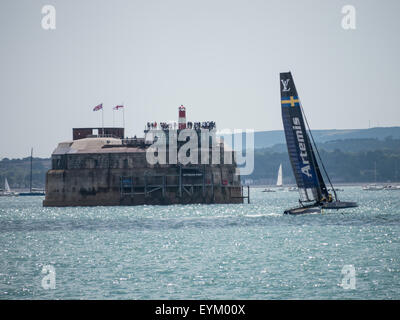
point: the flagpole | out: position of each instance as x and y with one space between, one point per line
98 134
102 120
123 116
113 118
30 179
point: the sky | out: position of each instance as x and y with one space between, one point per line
219 58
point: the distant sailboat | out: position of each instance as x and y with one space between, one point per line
373 187
31 192
7 190
279 179
7 186
278 182
314 195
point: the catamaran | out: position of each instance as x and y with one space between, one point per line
314 195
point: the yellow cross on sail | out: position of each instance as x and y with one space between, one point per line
292 101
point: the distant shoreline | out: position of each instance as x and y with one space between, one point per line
344 184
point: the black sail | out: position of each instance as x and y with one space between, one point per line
302 158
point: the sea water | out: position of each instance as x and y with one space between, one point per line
234 251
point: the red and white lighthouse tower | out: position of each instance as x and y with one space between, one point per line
182 118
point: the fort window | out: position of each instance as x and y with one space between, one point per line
58 162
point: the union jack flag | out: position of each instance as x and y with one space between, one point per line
96 108
117 107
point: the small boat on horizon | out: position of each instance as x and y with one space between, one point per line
32 191
268 190
390 187
372 187
279 186
7 190
279 179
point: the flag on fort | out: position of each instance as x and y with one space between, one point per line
118 107
96 108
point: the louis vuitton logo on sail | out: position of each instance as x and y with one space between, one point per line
285 85
305 169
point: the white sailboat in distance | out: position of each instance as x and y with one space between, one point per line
7 189
373 187
279 179
6 186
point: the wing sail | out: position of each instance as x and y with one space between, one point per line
305 167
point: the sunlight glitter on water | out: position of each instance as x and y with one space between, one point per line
247 251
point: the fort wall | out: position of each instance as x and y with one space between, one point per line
107 172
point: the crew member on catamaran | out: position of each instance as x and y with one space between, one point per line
323 199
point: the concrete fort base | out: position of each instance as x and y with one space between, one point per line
103 187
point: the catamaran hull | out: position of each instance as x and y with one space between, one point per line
317 209
303 210
339 205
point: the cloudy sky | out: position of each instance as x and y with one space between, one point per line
219 58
